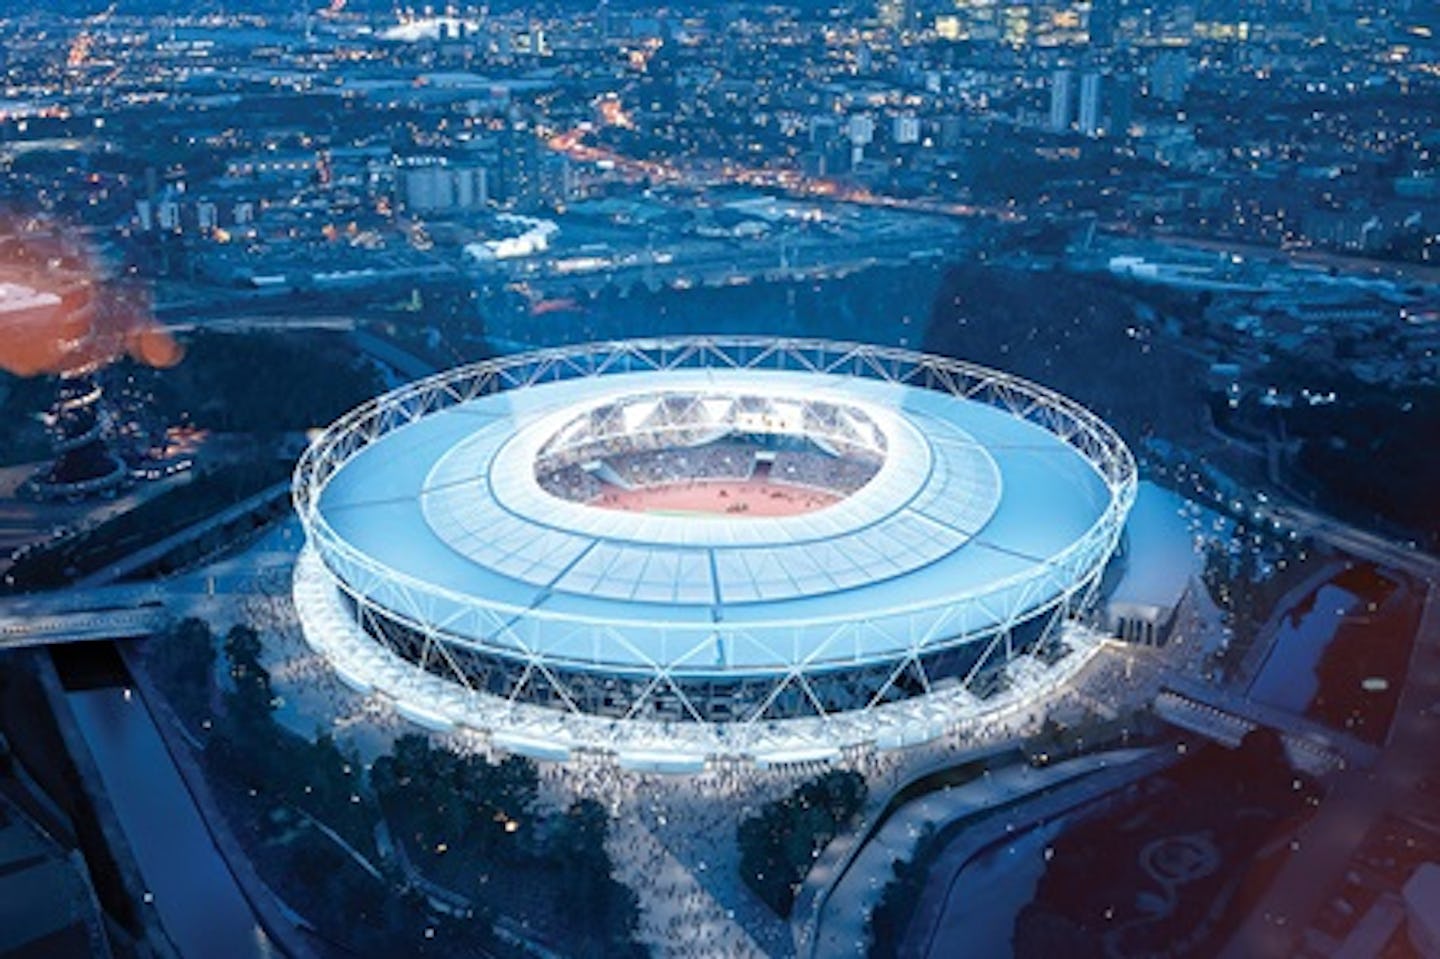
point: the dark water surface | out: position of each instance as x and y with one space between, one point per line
199 903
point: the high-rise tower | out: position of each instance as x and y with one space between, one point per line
1090 118
1060 83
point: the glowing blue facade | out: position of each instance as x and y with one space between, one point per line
436 557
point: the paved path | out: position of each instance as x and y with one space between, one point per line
678 916
936 930
81 626
1359 542
837 857
845 916
97 608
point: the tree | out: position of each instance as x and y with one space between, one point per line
602 911
249 704
779 844
182 661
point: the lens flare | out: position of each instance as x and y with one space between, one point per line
59 313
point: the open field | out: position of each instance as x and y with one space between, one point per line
752 497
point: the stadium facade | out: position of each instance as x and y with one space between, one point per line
678 550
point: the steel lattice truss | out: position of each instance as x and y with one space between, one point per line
390 630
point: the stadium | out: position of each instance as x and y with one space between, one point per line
676 551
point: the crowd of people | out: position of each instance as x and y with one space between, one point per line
609 434
571 483
673 837
817 470
307 690
711 462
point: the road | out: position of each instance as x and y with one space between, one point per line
81 626
406 364
1359 542
698 174
726 265
1344 263
260 322
150 554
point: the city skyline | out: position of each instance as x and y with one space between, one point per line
923 478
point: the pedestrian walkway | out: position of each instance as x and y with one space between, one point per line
679 919
845 917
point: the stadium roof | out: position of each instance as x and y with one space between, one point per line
969 516
1157 532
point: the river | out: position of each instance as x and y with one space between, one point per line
1288 678
979 919
199 903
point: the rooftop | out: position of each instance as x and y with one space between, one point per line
969 518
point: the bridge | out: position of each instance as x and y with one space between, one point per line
1226 717
77 616
83 626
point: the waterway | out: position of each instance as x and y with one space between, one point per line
199 903
1288 678
989 893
